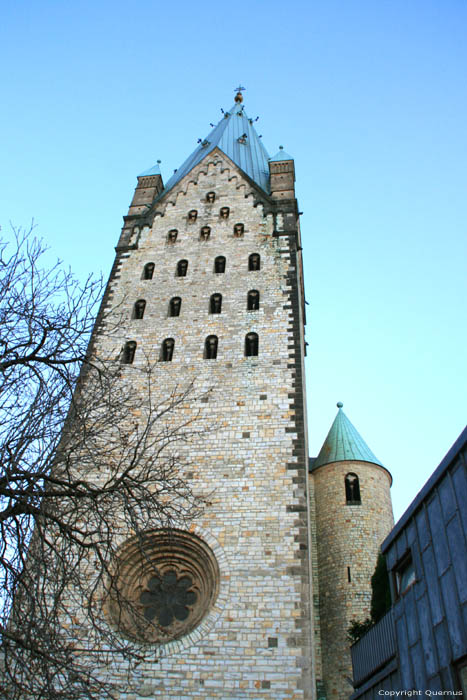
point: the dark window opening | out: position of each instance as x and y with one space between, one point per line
251 344
210 347
182 267
349 577
224 212
128 354
219 264
172 235
148 271
167 350
174 306
253 300
210 197
205 233
352 490
404 575
192 215
239 230
254 262
215 304
138 309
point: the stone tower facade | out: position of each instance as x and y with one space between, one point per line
353 514
208 281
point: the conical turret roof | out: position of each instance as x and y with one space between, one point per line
344 443
236 136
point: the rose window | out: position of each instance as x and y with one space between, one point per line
168 597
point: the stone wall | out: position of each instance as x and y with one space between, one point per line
349 539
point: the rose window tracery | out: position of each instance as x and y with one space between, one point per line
168 597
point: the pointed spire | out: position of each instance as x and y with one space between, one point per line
236 136
344 443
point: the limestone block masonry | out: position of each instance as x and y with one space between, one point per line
348 538
252 462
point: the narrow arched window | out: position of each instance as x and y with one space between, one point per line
215 304
138 309
192 215
224 212
254 262
253 300
210 197
128 353
182 267
148 271
239 230
219 264
210 347
251 344
167 350
174 306
172 235
204 233
352 489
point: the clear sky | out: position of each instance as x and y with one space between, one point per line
369 97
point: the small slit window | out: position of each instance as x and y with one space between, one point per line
210 347
251 344
404 575
254 262
192 215
224 212
172 236
253 300
215 304
182 267
138 309
167 350
219 264
174 306
352 490
128 354
210 197
239 230
148 271
204 233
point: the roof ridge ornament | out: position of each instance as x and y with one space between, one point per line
239 96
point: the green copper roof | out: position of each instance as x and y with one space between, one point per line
281 155
344 443
155 170
235 135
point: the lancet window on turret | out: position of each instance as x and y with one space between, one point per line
210 347
174 306
251 344
239 230
224 212
172 236
182 267
215 304
219 264
352 489
204 233
148 271
210 197
254 262
167 350
138 309
192 215
253 300
128 353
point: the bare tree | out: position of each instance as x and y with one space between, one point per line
85 464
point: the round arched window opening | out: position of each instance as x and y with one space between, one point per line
163 585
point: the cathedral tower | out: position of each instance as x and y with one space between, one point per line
353 513
208 281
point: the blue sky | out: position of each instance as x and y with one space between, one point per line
369 97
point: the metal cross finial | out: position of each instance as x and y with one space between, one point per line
239 96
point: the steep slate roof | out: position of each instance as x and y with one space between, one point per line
344 443
251 156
